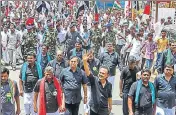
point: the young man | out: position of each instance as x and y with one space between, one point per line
141 97
148 48
13 38
101 90
5 56
162 44
127 78
71 79
51 96
44 57
166 88
30 72
9 94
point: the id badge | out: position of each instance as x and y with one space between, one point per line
8 96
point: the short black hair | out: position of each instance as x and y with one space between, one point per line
131 59
32 54
163 30
169 66
4 70
105 67
146 70
150 34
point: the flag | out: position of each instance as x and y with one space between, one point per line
147 9
127 8
117 5
96 15
80 8
42 6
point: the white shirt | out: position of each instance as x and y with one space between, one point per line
4 38
136 48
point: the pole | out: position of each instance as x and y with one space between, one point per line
156 14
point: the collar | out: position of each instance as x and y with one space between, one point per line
69 68
106 51
163 76
30 66
60 61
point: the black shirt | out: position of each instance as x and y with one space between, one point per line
166 91
31 78
50 99
94 66
145 96
99 95
129 77
71 83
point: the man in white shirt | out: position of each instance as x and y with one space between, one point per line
13 38
5 56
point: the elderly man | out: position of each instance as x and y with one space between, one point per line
9 94
51 96
71 79
30 72
101 90
142 96
59 63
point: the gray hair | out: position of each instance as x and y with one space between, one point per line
49 69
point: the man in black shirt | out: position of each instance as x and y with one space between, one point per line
127 78
141 97
101 90
166 89
30 72
71 79
54 98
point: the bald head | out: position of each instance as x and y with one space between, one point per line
59 55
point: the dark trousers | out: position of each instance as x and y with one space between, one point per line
100 113
125 104
72 109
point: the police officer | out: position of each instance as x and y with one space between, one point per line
50 38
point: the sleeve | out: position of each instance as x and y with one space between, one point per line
132 90
20 76
37 87
61 76
91 79
161 63
110 91
16 89
101 58
156 84
122 76
84 78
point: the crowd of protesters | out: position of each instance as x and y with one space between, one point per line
65 59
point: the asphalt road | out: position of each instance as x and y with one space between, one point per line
116 110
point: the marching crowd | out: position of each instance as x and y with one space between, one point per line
65 59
